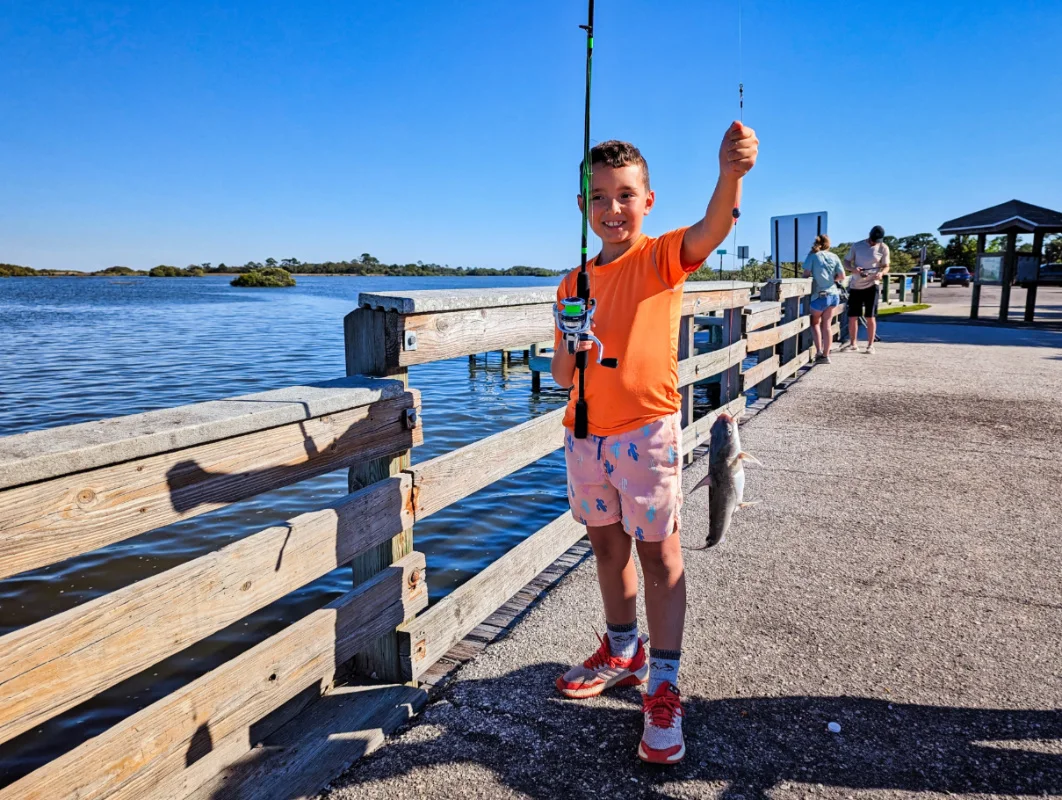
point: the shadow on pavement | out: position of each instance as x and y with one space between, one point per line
924 327
539 744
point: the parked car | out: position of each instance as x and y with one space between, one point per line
955 275
1050 274
930 276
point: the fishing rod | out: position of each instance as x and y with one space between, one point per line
576 314
741 118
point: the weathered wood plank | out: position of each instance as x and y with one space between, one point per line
429 636
52 452
448 334
458 333
61 661
785 288
697 433
773 336
56 519
446 479
759 306
764 317
433 301
786 371
754 375
699 368
694 302
129 760
296 762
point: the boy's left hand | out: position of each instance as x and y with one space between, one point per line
737 154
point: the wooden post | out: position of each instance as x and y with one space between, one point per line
884 289
373 342
1030 293
975 296
903 288
764 388
1010 260
806 339
536 376
730 381
918 286
685 350
786 350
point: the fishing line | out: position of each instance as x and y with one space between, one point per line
741 118
575 316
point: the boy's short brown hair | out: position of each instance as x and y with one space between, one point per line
615 153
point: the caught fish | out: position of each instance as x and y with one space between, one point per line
726 477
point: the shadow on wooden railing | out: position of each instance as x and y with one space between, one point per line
70 490
66 491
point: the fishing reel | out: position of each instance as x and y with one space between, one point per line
574 320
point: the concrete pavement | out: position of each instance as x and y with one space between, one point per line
900 576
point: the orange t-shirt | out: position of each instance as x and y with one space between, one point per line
639 305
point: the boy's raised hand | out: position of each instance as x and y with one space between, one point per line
737 154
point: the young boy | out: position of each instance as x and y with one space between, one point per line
625 478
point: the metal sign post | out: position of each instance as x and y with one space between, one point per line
721 253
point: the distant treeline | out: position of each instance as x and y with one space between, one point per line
365 265
905 254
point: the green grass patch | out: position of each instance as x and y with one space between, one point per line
884 312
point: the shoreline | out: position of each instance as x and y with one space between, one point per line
74 274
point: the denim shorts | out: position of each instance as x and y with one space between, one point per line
824 301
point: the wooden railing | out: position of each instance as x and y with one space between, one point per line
894 288
66 491
392 332
69 490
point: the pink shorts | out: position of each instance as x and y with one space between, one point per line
633 477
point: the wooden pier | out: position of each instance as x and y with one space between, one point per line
253 726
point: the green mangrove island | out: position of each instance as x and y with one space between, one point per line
266 278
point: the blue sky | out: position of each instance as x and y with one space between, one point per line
146 133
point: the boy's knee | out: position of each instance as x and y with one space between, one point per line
609 547
661 559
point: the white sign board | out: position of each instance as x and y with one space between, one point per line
795 229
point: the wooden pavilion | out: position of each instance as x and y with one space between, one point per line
1011 218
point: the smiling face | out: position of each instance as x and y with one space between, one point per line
619 201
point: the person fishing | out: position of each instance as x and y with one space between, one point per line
625 476
826 271
868 260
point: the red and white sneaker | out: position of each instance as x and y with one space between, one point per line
662 741
603 671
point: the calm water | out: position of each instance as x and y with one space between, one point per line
80 349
